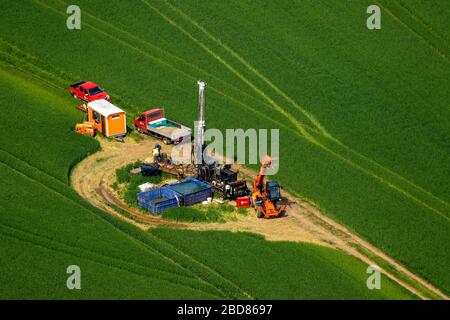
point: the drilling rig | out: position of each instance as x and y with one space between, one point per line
223 178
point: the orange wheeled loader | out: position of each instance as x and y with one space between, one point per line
267 199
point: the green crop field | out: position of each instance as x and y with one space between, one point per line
364 123
46 227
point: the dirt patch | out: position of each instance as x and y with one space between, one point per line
92 179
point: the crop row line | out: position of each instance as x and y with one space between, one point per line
10 59
299 125
212 87
109 261
384 181
158 60
243 291
422 21
333 153
142 243
61 248
59 193
166 54
165 63
418 35
420 189
308 137
70 200
89 251
33 66
36 68
389 171
243 61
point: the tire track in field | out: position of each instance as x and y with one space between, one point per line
390 174
233 53
423 22
146 247
117 260
58 193
160 61
206 266
433 48
137 241
117 264
304 133
167 64
354 165
308 137
210 86
170 54
359 167
157 222
238 102
386 182
298 124
53 244
90 174
384 170
303 223
410 183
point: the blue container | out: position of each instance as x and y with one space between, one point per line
191 190
183 193
158 200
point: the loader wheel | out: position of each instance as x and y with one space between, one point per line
259 213
282 214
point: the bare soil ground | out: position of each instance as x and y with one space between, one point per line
92 179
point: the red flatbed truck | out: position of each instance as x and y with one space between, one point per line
153 122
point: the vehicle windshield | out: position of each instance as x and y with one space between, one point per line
274 193
273 189
95 91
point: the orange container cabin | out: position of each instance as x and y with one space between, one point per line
107 118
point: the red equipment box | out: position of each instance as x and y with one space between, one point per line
243 202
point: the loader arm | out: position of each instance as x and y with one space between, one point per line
258 184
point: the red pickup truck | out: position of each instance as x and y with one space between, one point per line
88 91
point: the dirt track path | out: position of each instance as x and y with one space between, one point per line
92 179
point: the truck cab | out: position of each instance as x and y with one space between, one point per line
147 117
153 122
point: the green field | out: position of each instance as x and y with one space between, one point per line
45 227
363 115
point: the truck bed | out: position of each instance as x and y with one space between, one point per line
75 85
167 128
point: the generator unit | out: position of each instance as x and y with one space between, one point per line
223 180
150 170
